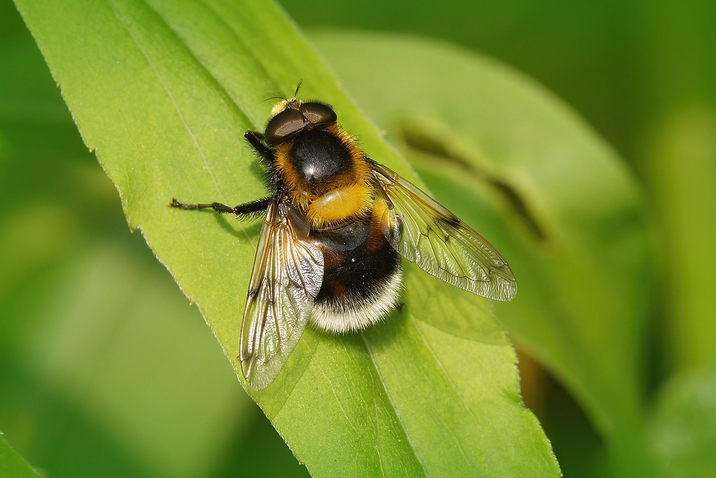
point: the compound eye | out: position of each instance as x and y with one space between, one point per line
317 113
283 126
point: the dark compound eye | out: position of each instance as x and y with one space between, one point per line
317 113
283 126
291 121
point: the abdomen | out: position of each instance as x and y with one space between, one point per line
361 278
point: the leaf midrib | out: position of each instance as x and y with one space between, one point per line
393 408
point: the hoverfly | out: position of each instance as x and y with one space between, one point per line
335 228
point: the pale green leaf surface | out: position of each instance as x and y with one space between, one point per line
163 91
525 172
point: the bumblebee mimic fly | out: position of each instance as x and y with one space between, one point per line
335 228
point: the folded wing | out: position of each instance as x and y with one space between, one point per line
287 275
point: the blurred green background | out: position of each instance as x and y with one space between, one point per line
87 388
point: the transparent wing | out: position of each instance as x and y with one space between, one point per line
287 275
425 232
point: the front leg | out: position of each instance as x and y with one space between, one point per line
255 139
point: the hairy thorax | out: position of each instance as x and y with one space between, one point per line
326 174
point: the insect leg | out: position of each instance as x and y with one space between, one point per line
255 139
246 209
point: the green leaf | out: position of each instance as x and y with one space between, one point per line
163 91
525 172
12 464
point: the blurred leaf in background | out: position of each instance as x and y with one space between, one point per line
679 162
